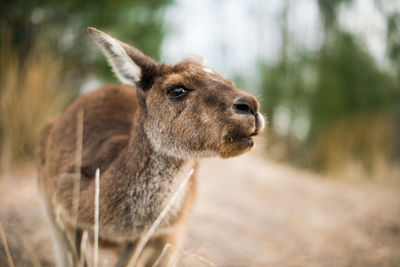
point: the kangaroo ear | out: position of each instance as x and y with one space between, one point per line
193 58
129 64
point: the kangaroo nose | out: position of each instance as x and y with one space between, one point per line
242 106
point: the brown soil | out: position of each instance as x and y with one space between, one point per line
250 212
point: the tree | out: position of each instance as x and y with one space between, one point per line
62 25
46 54
339 84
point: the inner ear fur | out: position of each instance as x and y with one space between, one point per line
130 65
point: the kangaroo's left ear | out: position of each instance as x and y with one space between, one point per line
129 63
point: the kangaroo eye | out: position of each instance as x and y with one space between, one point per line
177 93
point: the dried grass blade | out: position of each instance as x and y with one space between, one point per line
145 238
83 249
96 219
78 164
5 245
157 262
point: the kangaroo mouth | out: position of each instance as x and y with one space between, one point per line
248 140
236 143
240 140
255 133
246 137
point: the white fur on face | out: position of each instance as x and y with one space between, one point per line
127 71
204 118
165 146
208 70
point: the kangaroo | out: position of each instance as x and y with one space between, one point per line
145 135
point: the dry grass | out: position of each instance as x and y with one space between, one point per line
83 249
186 253
5 246
249 212
78 164
96 219
360 148
30 92
363 147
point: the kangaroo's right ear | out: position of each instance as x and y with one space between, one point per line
129 64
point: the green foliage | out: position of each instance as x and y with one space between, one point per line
339 85
328 9
46 54
63 25
288 84
349 83
393 39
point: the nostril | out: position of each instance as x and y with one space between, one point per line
242 107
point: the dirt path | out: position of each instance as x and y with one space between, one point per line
249 212
255 213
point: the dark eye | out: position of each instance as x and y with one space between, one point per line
177 93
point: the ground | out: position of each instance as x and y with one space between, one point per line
249 212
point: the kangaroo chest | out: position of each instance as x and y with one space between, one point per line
145 199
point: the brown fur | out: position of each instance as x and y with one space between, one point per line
144 144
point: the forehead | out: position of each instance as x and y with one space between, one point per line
189 74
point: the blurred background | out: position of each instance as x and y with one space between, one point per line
327 73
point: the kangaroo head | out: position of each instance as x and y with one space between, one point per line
186 110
